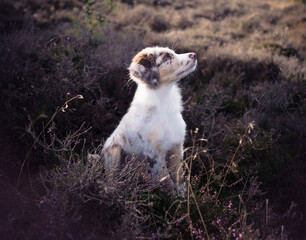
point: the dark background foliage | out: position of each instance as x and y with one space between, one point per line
251 68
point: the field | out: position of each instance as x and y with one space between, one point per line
64 87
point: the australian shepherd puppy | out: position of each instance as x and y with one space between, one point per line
154 127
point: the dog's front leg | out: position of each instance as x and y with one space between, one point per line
159 167
175 165
112 155
160 170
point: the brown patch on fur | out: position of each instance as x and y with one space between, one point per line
125 140
122 137
153 140
151 111
129 141
138 57
140 137
149 75
115 145
164 83
147 60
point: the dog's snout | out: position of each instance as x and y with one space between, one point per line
193 55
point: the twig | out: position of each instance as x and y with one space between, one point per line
250 126
63 108
189 188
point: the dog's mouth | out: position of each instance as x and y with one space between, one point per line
189 70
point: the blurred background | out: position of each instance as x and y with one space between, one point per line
251 70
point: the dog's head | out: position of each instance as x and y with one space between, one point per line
157 67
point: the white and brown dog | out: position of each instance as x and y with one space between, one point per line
154 127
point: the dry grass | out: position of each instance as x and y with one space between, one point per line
234 29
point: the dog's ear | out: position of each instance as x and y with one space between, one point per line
144 68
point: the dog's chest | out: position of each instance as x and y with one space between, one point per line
155 128
168 124
154 121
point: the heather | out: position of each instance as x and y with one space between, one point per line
64 88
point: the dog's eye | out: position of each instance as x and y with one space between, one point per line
167 56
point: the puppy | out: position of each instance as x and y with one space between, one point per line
154 127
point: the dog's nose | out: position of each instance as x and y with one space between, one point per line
193 55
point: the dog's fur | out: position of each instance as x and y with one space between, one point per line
153 127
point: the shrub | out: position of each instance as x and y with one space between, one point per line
252 71
221 201
159 24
